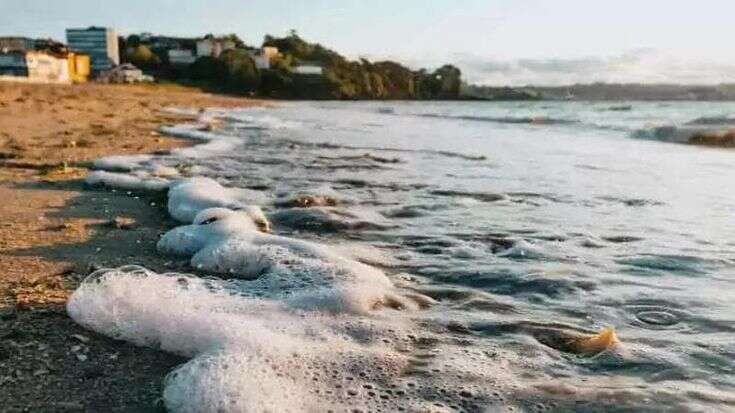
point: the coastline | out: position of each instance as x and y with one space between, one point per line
54 232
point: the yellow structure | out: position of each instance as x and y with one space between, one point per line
79 67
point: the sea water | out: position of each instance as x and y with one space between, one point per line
437 256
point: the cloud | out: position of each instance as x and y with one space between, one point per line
635 66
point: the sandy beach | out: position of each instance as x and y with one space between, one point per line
54 232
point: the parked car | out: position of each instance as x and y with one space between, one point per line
124 73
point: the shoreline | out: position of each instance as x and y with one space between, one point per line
55 232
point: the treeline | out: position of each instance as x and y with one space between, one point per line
497 93
235 71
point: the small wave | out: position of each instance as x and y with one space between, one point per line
413 211
622 239
329 219
324 196
364 157
714 120
711 134
513 283
529 120
480 196
329 145
681 264
530 197
662 133
620 108
631 202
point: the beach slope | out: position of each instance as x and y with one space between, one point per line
53 232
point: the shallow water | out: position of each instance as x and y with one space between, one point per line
520 219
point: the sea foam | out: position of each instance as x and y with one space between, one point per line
188 197
248 354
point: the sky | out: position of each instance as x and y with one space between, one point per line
494 42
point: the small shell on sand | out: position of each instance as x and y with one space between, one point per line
586 344
594 344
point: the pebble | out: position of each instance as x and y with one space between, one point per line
123 223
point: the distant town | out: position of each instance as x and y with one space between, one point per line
286 67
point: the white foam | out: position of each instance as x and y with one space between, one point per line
122 163
188 197
126 181
329 219
249 354
187 240
182 111
228 242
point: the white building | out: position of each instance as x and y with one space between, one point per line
264 56
181 56
309 69
209 46
34 67
100 43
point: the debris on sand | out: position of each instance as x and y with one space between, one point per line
585 344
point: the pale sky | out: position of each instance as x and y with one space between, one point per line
493 41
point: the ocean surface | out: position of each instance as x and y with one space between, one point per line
437 256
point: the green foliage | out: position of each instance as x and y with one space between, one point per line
207 68
143 57
133 40
344 79
235 71
235 39
240 71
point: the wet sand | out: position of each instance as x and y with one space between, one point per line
53 232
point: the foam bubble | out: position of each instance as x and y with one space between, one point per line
188 197
133 181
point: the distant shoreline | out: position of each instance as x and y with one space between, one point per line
611 92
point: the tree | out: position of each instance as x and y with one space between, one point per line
207 68
133 40
143 57
450 81
235 39
240 70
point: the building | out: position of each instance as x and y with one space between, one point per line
37 67
308 69
210 46
13 64
264 56
100 43
181 56
44 67
16 44
167 42
47 68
